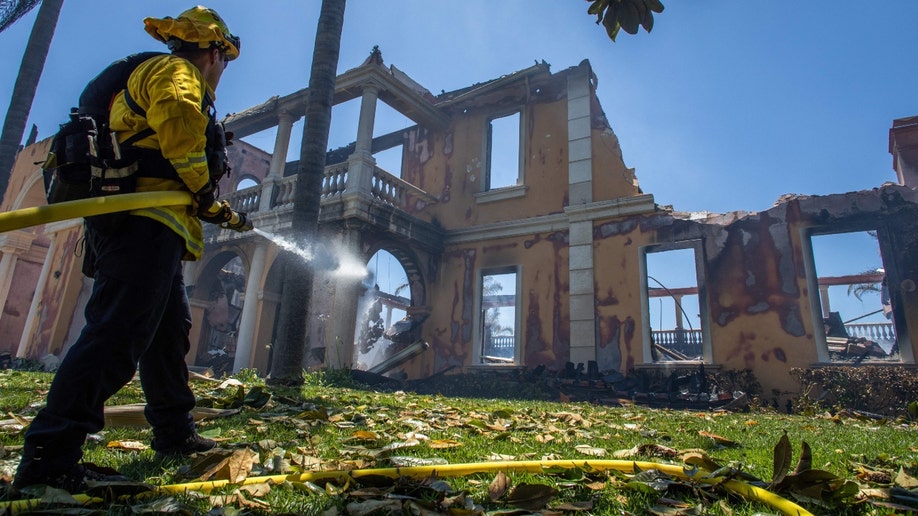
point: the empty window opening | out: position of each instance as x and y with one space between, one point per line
384 301
503 152
853 301
499 321
674 315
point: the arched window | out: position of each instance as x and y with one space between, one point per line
246 182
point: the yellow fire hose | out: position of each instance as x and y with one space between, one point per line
742 489
26 217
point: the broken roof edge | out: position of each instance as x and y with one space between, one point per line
375 60
452 97
850 202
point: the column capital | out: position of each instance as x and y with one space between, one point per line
371 87
285 117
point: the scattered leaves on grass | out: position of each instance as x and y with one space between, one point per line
346 430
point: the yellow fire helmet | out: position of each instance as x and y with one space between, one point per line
196 25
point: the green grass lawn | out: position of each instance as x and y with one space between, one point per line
850 466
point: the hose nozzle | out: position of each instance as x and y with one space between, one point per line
239 222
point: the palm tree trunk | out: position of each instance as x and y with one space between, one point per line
291 345
33 62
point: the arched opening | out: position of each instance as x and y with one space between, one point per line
387 318
385 300
220 289
246 182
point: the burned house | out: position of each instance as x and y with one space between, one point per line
525 242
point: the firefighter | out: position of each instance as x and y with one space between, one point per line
138 315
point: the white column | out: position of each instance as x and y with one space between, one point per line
245 339
28 331
281 144
367 120
278 159
360 164
580 261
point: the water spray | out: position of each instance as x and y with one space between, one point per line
338 262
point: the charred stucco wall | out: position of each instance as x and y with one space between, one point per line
16 309
612 179
454 172
25 187
542 302
54 312
756 289
451 165
56 306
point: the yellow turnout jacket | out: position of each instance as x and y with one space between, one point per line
171 90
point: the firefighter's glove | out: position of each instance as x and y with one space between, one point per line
204 201
238 222
219 213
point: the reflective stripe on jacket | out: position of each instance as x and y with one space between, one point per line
171 90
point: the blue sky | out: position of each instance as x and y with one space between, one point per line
725 106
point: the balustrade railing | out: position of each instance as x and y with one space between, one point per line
245 200
872 331
384 187
689 342
499 347
685 342
335 180
395 191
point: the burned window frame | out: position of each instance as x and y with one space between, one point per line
489 192
478 339
812 283
707 352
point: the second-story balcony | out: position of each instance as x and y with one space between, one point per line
380 199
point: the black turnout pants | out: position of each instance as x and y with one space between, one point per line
137 316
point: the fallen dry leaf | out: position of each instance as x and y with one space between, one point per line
256 490
531 497
364 435
586 449
127 445
499 486
723 441
444 443
905 480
